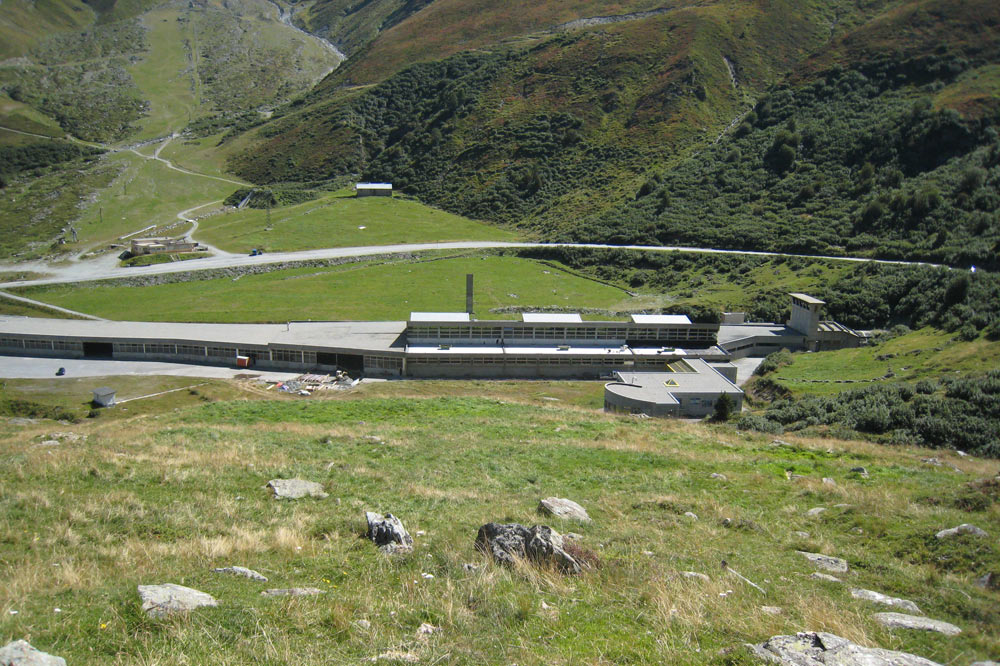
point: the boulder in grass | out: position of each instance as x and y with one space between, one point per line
964 528
563 508
834 564
812 648
243 572
167 599
387 532
904 621
507 543
879 598
21 653
295 489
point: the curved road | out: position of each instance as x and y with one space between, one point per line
80 272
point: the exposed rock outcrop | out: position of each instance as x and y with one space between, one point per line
166 599
295 489
21 653
903 621
507 543
563 508
820 649
879 598
387 532
827 562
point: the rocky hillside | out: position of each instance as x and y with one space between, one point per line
194 528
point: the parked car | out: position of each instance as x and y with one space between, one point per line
60 372
256 253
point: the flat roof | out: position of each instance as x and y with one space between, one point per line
374 336
551 318
440 316
658 386
808 299
660 319
373 186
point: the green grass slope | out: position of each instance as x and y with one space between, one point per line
167 496
341 220
24 23
387 290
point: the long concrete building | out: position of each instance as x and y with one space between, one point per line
429 344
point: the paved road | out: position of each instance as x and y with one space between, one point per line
82 271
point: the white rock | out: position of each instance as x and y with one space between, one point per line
295 489
21 653
903 621
717 476
364 624
879 598
828 481
242 571
168 598
819 649
691 514
771 610
964 528
801 535
812 513
563 508
827 562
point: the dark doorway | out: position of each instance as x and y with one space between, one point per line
98 350
352 364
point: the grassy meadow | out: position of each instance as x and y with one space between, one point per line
342 220
924 354
169 491
362 291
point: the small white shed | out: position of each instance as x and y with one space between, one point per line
373 190
104 397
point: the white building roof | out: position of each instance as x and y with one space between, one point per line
808 299
551 318
373 186
660 319
440 316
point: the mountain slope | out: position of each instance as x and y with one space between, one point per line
558 132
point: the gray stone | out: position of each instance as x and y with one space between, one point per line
827 562
20 653
771 610
828 481
827 577
989 581
387 532
295 489
984 663
717 476
964 528
696 576
879 598
691 514
821 649
800 534
563 508
364 624
242 571
166 599
292 592
507 543
812 513
903 621
50 442
860 470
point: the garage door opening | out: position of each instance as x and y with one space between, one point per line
98 350
352 364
